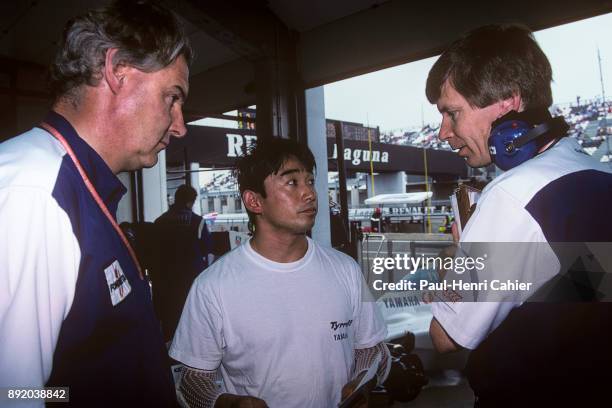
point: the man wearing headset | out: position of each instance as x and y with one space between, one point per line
492 87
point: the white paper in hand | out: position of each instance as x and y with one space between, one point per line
348 401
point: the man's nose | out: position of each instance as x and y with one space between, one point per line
446 131
310 194
177 127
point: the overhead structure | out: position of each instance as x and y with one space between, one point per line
266 53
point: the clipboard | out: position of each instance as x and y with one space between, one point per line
464 202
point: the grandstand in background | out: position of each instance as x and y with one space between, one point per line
590 123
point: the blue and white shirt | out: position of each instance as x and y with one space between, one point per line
561 195
73 309
540 352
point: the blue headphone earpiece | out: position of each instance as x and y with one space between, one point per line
501 144
513 138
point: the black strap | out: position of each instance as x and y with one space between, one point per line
556 126
531 135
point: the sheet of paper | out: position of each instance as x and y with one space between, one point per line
370 373
346 403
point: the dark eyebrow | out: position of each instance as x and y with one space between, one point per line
181 91
448 109
289 171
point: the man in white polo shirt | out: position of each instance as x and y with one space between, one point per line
492 87
285 321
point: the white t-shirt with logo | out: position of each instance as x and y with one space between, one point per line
282 332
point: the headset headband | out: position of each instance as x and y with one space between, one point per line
518 136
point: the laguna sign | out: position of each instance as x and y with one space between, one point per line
356 156
237 144
219 147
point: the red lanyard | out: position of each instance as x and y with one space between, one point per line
93 192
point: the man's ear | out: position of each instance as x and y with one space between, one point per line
252 201
515 102
114 74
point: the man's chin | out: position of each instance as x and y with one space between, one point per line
305 228
477 162
150 161
145 163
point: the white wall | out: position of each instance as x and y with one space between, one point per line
316 135
155 189
194 177
124 210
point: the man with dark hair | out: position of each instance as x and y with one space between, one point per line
185 250
253 168
75 306
492 87
284 321
185 196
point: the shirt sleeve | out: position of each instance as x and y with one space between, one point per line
198 341
370 328
468 324
515 249
39 263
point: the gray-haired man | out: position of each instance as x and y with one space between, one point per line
75 309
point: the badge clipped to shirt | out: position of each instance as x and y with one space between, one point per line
118 284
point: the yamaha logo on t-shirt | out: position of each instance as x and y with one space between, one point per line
118 285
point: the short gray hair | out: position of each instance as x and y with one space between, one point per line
146 35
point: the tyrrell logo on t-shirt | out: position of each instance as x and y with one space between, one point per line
118 285
338 326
